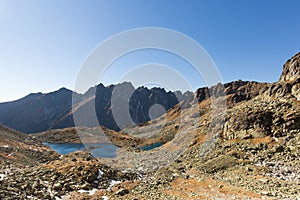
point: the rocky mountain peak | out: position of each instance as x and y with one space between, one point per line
291 69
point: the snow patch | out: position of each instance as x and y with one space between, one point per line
105 198
10 154
276 139
90 192
2 177
5 146
100 173
113 182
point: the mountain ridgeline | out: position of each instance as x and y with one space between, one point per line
40 112
118 106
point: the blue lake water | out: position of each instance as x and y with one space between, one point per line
151 146
103 150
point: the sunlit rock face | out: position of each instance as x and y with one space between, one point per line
291 75
291 69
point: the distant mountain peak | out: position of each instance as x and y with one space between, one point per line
65 89
62 90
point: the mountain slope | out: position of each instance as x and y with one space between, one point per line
255 155
36 112
20 148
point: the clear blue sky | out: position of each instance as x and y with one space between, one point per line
44 42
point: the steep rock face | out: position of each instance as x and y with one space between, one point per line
139 110
238 91
118 106
279 89
296 90
289 82
235 91
291 69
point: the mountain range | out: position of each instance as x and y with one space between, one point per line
40 112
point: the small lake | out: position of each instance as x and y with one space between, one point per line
151 146
103 150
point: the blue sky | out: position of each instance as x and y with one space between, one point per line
44 43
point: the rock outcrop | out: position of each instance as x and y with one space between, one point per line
291 69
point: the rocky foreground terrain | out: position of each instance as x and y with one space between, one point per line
250 150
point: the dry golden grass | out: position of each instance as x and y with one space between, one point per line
265 140
194 189
173 113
